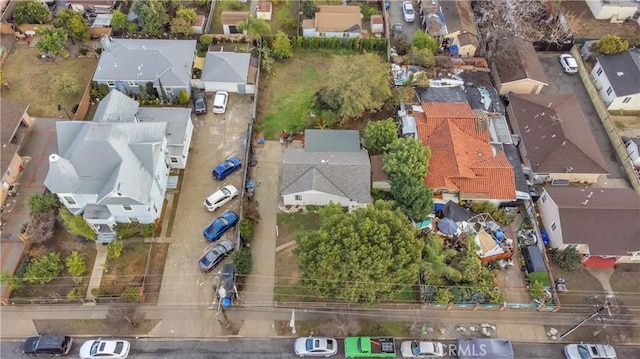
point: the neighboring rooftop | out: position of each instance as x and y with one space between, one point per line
230 67
332 141
11 113
338 18
623 71
516 59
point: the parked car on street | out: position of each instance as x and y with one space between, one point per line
108 349
215 255
589 351
220 225
421 349
226 168
220 197
47 345
220 102
315 347
408 12
569 64
200 103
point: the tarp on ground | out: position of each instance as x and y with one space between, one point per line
534 261
476 348
456 212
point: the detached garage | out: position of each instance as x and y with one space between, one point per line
229 71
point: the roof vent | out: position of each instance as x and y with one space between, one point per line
619 73
54 158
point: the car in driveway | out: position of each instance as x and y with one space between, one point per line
199 103
421 349
215 255
220 197
107 349
220 102
589 351
226 168
47 345
569 64
408 13
315 347
220 225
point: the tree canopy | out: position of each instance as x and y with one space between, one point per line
51 41
281 46
379 134
119 20
154 15
406 157
355 85
73 22
422 40
610 45
255 28
412 196
31 12
361 256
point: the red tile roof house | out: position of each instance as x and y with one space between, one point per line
463 165
601 224
556 142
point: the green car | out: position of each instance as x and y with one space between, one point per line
367 347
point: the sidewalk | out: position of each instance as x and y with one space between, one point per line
98 269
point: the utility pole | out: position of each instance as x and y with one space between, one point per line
593 315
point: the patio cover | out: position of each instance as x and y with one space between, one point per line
456 212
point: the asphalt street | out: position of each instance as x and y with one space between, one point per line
274 349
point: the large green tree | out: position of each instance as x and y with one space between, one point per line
73 22
119 20
153 14
361 256
422 40
379 134
357 84
51 41
31 12
406 157
412 196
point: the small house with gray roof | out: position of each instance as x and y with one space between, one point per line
117 107
127 64
617 78
229 71
110 172
331 168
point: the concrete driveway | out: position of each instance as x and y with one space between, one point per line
215 138
561 83
395 17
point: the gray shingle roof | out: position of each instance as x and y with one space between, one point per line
106 158
116 107
623 71
345 174
229 67
332 140
170 61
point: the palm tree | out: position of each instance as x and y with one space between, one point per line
254 28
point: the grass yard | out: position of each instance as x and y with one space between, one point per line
290 223
127 270
36 82
286 95
284 18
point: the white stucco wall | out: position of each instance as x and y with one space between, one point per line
315 198
550 214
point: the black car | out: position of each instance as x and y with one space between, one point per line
200 103
47 345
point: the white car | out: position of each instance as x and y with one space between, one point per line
220 102
419 349
569 64
316 347
106 349
589 351
220 197
408 12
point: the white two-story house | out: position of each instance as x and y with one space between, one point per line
617 78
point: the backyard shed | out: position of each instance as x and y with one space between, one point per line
534 261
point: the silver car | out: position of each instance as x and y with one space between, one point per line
589 351
316 347
421 349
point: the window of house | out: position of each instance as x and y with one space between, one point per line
322 34
599 71
298 197
173 159
553 226
70 201
133 83
609 90
560 182
133 220
9 169
127 207
111 83
627 100
345 34
155 209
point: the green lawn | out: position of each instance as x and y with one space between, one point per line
290 223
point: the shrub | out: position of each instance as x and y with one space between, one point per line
183 97
42 203
31 12
77 225
536 290
420 57
282 46
127 230
443 296
114 249
99 292
76 266
147 230
132 27
43 270
75 293
133 294
243 261
10 280
75 108
206 39
567 259
83 51
246 229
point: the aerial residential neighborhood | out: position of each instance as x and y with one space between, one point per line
336 178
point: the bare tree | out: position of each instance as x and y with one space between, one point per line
558 30
41 227
512 18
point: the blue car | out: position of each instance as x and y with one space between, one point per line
216 229
226 168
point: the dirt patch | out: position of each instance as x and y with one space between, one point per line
625 282
64 243
36 82
93 327
628 126
127 270
286 287
590 28
582 287
153 279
